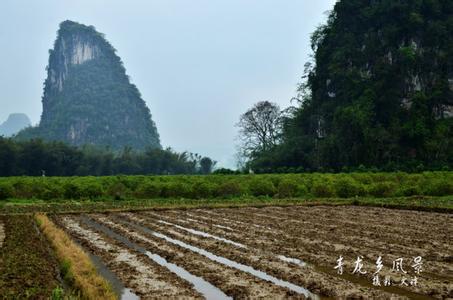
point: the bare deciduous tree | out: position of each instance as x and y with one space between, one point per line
259 128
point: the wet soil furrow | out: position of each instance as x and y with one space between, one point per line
361 240
384 217
231 281
321 253
144 277
433 249
2 234
376 224
321 283
311 219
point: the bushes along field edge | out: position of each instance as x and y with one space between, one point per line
314 185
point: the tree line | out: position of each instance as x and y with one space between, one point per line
37 158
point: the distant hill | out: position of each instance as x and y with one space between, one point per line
14 124
88 98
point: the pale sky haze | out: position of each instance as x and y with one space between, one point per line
198 64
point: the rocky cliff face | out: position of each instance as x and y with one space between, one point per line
14 124
392 61
88 98
379 91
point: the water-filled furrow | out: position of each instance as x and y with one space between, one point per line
227 262
203 234
116 284
295 261
292 260
361 239
203 287
284 237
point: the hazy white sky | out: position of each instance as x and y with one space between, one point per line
199 64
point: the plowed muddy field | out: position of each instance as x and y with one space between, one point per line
28 267
292 252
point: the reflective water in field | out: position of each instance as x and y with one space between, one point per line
228 262
203 234
208 290
292 260
116 284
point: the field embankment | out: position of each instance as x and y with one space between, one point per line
76 266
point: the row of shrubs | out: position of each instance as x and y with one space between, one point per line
225 186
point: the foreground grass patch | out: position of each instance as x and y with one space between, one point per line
75 265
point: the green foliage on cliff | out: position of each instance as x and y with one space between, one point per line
88 98
379 92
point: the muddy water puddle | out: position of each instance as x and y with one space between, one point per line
204 287
290 260
200 285
227 262
118 287
295 261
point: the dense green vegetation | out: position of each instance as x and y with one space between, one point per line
34 157
88 98
316 185
378 93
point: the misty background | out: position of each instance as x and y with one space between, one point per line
198 64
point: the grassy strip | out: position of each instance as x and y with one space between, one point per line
75 265
422 203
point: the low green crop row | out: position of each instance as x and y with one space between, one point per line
224 186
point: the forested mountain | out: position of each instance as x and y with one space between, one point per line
88 98
14 124
378 93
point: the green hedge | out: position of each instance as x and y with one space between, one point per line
313 185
